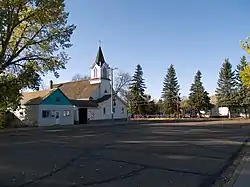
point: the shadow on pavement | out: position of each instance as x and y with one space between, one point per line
124 155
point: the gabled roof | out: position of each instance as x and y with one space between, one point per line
77 89
35 98
104 98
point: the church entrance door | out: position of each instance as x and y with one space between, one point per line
83 115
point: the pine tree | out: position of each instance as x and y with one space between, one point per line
226 90
137 88
198 97
170 92
243 93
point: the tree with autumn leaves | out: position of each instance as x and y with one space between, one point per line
34 36
245 72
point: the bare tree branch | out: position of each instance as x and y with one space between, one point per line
43 86
78 77
121 82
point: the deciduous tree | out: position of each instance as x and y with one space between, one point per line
122 82
33 37
243 92
79 77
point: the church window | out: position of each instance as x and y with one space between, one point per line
104 72
104 111
95 72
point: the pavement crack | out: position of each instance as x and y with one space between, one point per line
118 177
149 166
52 172
67 164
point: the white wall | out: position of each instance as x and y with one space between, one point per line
223 111
99 71
100 91
64 120
98 114
27 114
219 111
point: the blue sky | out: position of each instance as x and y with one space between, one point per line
190 34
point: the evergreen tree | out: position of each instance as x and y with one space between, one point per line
170 92
151 106
137 88
226 90
198 97
243 93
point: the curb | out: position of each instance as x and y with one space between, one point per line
230 172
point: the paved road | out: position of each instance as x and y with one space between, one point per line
154 155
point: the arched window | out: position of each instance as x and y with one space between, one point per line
95 72
104 71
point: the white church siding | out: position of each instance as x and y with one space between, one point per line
103 112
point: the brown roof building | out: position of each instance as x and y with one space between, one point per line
91 99
77 89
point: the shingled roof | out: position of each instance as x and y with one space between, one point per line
35 98
84 103
77 89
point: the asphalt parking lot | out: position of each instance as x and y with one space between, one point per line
155 155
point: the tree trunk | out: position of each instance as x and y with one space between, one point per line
245 110
199 113
229 112
248 112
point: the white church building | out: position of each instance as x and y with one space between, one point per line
79 102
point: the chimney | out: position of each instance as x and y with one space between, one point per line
50 84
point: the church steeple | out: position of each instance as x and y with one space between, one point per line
99 57
99 69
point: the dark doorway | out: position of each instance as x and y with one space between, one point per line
83 115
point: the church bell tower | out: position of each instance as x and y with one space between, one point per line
100 73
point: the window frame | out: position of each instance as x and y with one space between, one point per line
95 72
66 113
45 113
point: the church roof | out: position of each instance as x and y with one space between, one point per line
84 103
77 89
104 98
35 98
99 58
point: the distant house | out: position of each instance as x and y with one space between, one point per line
44 108
84 101
222 111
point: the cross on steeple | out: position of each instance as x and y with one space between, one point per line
100 43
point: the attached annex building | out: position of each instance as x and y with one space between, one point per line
74 102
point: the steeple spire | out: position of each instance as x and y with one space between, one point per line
99 57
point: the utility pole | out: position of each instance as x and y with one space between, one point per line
111 92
